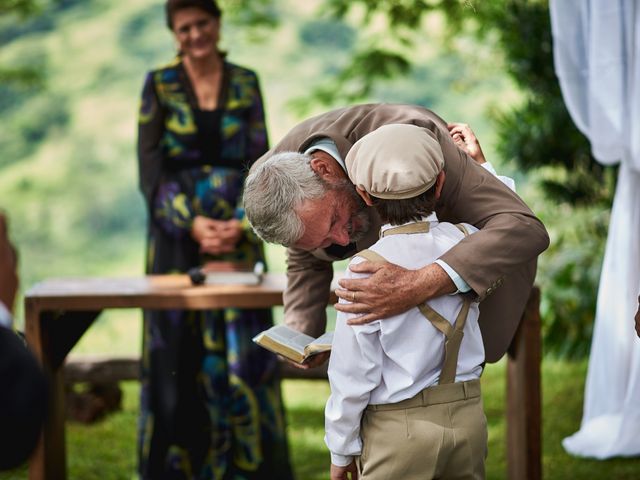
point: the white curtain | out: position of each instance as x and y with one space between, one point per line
597 60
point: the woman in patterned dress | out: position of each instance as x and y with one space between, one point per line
210 403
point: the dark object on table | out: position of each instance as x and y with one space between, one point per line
227 273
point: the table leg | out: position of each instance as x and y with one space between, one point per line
524 427
51 345
48 460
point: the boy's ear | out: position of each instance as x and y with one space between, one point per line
439 183
365 196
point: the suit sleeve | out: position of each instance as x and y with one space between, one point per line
509 233
307 293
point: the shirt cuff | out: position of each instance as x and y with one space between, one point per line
508 181
6 320
341 460
461 285
488 167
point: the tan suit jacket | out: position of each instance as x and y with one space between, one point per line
503 252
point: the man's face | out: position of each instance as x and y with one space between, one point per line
339 217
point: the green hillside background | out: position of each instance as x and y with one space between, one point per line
68 173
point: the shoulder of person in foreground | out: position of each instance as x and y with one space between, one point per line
23 401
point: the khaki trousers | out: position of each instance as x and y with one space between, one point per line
441 433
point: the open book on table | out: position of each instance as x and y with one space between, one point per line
292 344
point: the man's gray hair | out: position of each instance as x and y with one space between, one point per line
272 192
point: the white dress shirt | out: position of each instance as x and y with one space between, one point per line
390 360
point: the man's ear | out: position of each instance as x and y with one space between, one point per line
365 196
439 183
326 166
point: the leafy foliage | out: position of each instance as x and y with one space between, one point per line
327 34
352 87
134 33
570 279
22 8
254 13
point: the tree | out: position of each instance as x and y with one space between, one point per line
18 76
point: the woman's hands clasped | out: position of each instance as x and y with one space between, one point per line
216 236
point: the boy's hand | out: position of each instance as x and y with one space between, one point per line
342 473
466 140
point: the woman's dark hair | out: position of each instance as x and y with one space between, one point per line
172 6
397 212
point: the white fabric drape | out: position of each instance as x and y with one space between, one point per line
597 60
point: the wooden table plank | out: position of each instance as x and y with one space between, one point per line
151 292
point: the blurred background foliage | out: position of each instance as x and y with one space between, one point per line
71 73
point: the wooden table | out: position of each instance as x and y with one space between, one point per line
59 311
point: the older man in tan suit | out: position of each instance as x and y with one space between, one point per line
298 195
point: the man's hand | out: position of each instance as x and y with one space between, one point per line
466 140
8 266
638 318
216 236
342 473
314 361
390 290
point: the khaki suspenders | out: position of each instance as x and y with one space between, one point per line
417 227
453 333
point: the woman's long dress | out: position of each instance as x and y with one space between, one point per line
210 403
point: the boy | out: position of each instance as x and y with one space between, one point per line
396 411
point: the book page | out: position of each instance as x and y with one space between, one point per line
320 344
287 336
324 339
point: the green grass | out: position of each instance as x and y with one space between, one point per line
106 450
